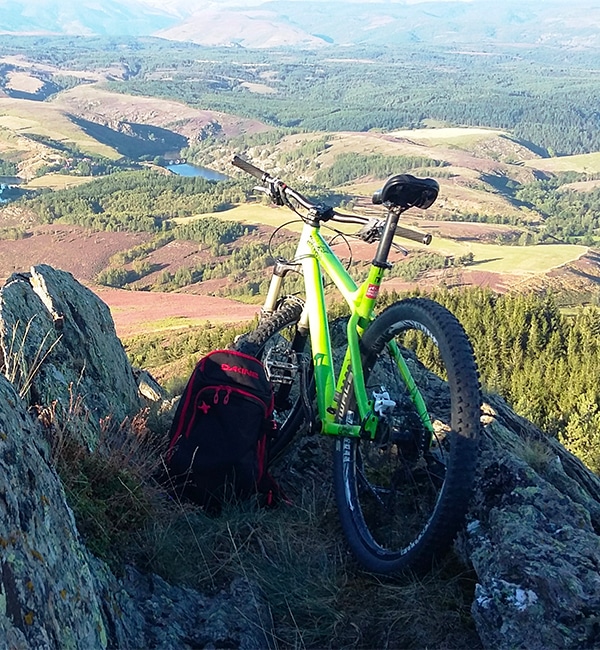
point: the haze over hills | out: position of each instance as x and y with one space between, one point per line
251 23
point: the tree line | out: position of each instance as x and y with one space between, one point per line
142 201
545 363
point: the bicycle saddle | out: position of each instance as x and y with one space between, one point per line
406 191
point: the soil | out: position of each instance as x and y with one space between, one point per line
139 312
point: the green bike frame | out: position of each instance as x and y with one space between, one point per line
314 256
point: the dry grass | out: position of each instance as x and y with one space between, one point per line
19 368
46 119
457 136
318 597
57 181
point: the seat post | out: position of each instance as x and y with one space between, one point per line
387 237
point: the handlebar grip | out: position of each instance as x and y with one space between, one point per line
249 168
413 235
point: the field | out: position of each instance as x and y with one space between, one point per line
453 239
458 136
142 312
41 118
84 254
585 163
473 158
56 181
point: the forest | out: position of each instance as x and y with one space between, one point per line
545 363
569 215
135 201
546 96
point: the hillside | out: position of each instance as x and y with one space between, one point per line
475 163
105 124
481 23
63 125
94 105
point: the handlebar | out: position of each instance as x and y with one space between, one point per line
249 168
279 191
414 235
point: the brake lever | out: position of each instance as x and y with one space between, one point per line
271 192
371 231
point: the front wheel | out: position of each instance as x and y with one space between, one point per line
284 350
403 495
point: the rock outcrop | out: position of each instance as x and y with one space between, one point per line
59 347
532 536
48 591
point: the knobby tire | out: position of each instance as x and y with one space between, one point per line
403 496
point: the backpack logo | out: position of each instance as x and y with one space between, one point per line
242 371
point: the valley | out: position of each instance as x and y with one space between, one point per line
93 115
64 127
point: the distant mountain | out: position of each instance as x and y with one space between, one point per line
308 23
248 28
85 17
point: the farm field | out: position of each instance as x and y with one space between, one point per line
447 135
585 163
512 260
85 253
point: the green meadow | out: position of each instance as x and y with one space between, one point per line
588 163
515 260
497 258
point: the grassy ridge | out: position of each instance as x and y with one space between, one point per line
516 260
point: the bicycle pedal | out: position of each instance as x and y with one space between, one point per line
281 369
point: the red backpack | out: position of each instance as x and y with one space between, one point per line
221 430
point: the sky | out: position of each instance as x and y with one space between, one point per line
203 4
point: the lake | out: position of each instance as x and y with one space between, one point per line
185 169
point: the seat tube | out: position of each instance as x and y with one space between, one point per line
319 331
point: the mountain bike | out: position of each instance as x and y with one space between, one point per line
402 406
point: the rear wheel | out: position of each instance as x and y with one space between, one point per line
402 496
285 352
